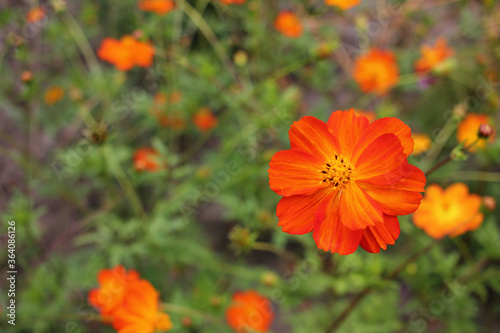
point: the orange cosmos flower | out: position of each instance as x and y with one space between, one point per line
433 56
126 53
113 287
139 311
346 181
343 4
422 143
451 212
205 120
53 95
288 24
160 7
233 2
36 14
250 312
147 159
376 71
468 129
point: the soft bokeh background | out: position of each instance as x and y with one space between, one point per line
204 226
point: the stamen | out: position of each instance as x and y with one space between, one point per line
338 173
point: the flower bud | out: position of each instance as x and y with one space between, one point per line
485 131
489 203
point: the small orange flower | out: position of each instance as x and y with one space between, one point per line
343 4
288 24
433 56
233 2
53 95
147 159
160 7
36 14
370 115
376 71
126 53
422 143
205 120
451 212
113 287
139 311
468 129
250 312
346 181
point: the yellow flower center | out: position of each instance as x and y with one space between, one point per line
338 172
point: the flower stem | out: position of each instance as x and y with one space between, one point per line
359 297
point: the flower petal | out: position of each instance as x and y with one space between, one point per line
382 162
383 126
296 213
357 209
329 233
347 128
414 180
380 235
312 135
295 172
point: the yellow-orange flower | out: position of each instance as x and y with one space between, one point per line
233 2
376 71
53 95
422 143
468 128
288 24
113 285
139 311
250 312
343 4
126 53
147 159
36 14
450 212
433 56
160 7
205 120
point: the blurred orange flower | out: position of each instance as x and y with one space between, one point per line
250 311
468 129
370 115
343 4
451 212
53 95
160 7
126 53
376 71
36 14
113 287
233 2
147 159
204 119
288 24
167 116
346 180
422 143
139 311
433 56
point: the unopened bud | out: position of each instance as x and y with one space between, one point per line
485 131
489 203
26 76
186 322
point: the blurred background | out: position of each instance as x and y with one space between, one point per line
110 155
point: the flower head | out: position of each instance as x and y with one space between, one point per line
433 56
347 181
205 120
250 311
160 7
36 14
126 53
376 71
147 159
53 95
233 2
450 212
422 143
288 24
468 131
113 287
343 4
